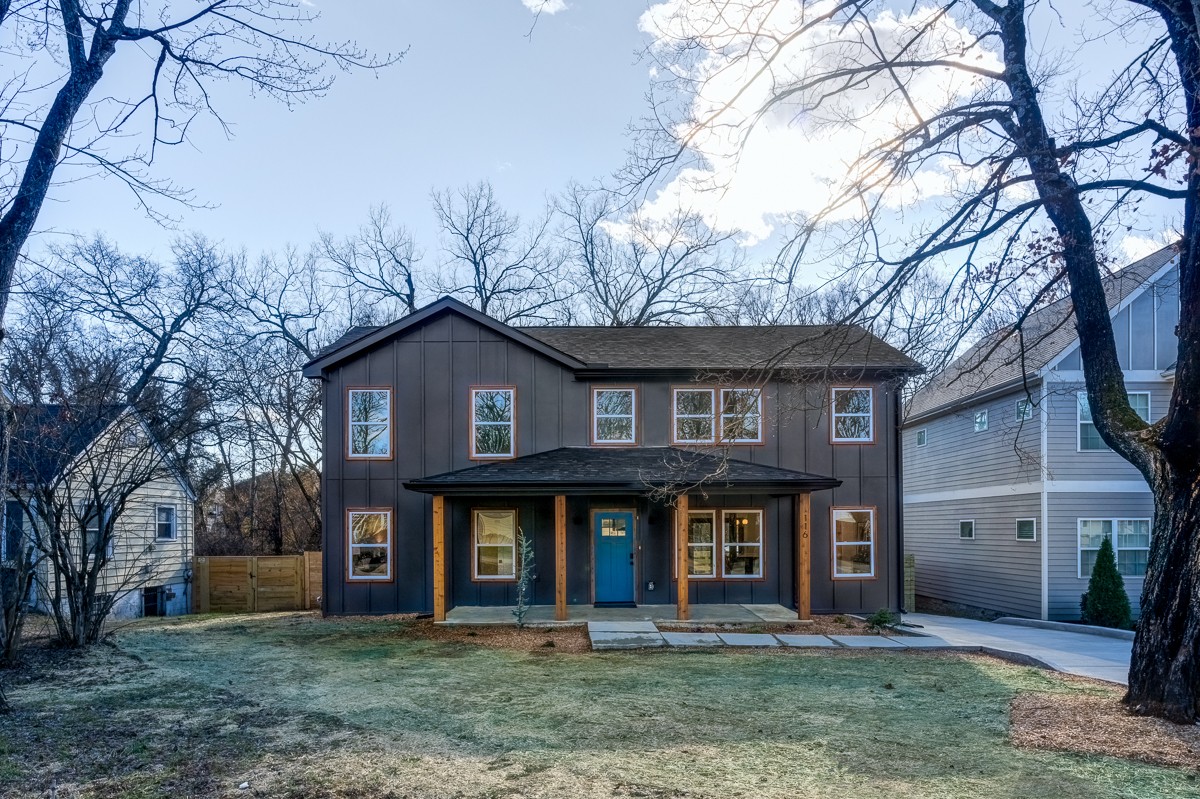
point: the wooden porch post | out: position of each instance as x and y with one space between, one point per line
683 613
804 556
439 558
560 558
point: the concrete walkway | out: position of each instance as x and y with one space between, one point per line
1083 654
647 635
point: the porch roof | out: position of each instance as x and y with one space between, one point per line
634 470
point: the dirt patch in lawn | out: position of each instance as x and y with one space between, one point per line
1098 724
821 625
529 639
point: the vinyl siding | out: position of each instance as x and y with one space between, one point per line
994 570
1064 459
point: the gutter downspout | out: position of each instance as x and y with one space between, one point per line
1044 414
898 455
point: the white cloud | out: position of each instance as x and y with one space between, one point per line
1135 247
545 6
757 168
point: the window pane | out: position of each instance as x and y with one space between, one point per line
1141 404
700 529
1087 559
852 559
854 400
922 437
166 521
981 421
14 519
1132 562
493 439
852 525
1026 529
739 401
700 561
495 561
1085 412
742 561
614 403
693 402
966 529
368 406
743 528
368 528
1133 533
693 430
493 406
742 428
495 527
368 561
1024 410
369 439
855 428
616 429
1089 437
1093 531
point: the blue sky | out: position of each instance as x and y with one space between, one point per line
475 98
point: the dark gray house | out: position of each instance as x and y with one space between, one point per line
1008 489
647 466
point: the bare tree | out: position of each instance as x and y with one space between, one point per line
1036 181
376 265
636 271
499 266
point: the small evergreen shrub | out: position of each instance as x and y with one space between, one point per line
881 619
1106 604
524 578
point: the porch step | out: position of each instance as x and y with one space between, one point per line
645 635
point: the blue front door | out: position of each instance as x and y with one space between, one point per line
614 557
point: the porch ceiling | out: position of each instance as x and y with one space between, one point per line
633 470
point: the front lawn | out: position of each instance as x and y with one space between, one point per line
303 707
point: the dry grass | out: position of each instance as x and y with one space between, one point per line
303 707
560 639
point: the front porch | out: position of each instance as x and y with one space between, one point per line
544 615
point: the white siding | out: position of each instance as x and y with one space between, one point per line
1065 461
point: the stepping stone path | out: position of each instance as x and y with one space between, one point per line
646 635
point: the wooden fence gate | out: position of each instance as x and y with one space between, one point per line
255 584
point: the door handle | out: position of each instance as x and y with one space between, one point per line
630 558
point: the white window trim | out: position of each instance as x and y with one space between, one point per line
351 424
511 423
351 546
104 515
923 437
962 537
711 416
1079 422
631 416
726 545
516 534
715 546
836 544
1080 549
1027 414
758 398
174 521
981 416
1017 529
833 436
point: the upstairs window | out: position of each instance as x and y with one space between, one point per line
853 415
614 415
495 536
693 416
164 523
1089 436
922 437
97 541
966 529
1131 545
853 543
492 414
1024 410
1026 529
741 415
370 423
370 544
981 421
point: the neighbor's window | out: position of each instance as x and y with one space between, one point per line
702 543
966 529
853 542
495 545
853 419
1131 546
1026 529
981 421
370 533
693 416
492 415
370 415
922 437
164 523
614 415
1089 436
741 415
93 531
1024 410
14 531
742 542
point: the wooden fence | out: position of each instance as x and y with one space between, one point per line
257 584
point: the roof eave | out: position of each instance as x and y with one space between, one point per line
544 488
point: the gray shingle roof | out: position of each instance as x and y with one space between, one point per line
993 362
633 470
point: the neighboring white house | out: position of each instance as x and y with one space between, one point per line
1008 489
81 461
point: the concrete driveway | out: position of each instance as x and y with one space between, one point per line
1083 654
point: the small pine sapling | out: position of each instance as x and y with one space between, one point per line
524 578
1106 604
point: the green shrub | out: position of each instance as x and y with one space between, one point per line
881 619
1106 604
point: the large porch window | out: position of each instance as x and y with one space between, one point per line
743 543
853 543
370 544
494 533
736 534
702 544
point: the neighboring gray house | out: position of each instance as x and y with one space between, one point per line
1008 489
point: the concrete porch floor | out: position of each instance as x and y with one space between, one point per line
580 614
